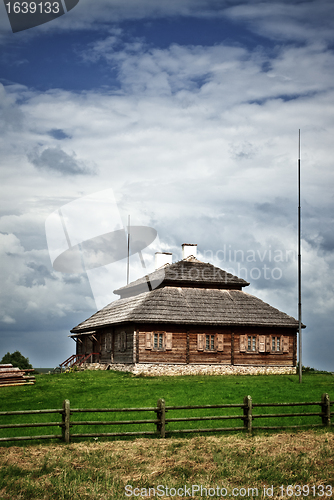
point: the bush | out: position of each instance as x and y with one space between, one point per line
308 369
17 360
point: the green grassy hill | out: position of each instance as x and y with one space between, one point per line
108 389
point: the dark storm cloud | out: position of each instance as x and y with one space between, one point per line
55 159
58 134
38 276
327 240
322 239
319 333
277 209
318 228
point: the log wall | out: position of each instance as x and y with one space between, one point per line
186 345
267 358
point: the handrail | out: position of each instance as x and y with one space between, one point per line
79 363
70 359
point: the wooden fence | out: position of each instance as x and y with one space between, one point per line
160 421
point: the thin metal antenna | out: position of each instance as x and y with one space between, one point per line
128 263
299 271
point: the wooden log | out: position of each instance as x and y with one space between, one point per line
87 410
17 383
190 419
66 421
5 369
161 415
10 370
13 379
326 410
195 407
28 412
30 438
269 415
12 374
248 413
258 405
39 424
112 434
212 429
114 422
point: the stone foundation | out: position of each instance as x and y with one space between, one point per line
93 366
151 369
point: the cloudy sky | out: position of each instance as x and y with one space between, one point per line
185 115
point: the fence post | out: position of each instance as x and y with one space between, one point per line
248 413
66 421
326 409
161 415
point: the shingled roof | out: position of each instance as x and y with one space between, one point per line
189 292
199 306
187 272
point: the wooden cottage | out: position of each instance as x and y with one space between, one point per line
189 317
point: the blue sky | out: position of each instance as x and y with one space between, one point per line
188 111
22 62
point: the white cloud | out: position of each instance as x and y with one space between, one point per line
297 21
198 142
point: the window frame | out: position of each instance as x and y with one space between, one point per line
210 342
276 344
252 344
159 341
122 341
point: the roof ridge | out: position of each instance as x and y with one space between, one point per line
190 271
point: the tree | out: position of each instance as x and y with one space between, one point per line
16 359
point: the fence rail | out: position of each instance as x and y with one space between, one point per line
160 421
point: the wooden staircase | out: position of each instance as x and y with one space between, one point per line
75 360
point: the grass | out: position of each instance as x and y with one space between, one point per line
108 389
102 470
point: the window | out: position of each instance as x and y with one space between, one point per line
122 341
276 344
210 342
159 341
251 344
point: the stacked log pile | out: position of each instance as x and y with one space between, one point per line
10 375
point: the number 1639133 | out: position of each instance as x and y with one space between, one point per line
33 7
306 490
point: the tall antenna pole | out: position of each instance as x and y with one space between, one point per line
299 271
128 263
